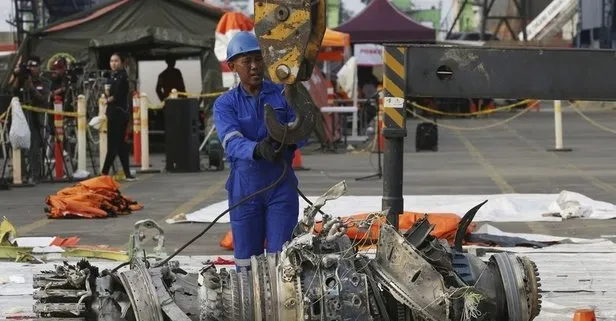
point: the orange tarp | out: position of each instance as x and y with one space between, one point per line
336 39
98 197
234 21
445 226
333 45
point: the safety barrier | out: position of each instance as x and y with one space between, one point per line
141 139
145 135
558 127
136 129
451 127
102 131
59 141
590 120
530 102
81 136
60 172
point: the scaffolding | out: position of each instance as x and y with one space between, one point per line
27 16
32 14
516 17
595 24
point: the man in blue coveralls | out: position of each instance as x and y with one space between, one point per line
268 218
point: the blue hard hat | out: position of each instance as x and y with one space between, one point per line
242 43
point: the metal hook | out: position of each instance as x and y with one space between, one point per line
299 99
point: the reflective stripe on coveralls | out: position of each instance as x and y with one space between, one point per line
268 218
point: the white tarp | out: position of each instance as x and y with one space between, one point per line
493 230
19 133
499 208
347 77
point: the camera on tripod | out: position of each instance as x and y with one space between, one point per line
75 70
24 71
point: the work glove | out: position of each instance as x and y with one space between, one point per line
265 150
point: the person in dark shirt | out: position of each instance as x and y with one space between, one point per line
58 86
29 85
33 90
118 115
59 80
170 78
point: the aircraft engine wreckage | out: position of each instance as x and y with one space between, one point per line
317 276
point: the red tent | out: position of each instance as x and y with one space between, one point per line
380 22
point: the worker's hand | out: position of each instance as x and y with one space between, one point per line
265 150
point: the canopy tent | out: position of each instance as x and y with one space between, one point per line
144 29
228 26
152 42
380 22
334 45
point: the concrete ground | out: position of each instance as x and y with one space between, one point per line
507 158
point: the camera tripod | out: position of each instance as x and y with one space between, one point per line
4 183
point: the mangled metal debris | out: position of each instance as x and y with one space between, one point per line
317 276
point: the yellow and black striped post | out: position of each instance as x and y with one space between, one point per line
394 132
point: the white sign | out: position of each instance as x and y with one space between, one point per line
368 54
393 102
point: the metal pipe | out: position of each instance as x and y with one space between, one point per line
16 158
59 142
393 160
394 132
102 142
558 129
558 125
16 153
145 135
136 130
81 134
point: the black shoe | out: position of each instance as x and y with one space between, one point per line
130 178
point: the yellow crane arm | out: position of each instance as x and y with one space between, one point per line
290 33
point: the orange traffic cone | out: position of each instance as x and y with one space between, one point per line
331 96
472 106
298 162
584 315
535 104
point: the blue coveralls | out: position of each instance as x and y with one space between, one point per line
271 216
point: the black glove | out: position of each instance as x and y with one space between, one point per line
265 150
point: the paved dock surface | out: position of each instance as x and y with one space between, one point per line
507 158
